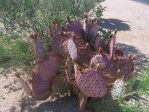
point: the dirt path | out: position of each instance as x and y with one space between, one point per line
130 17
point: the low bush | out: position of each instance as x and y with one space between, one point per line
21 17
15 52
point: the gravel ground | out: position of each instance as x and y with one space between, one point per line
130 17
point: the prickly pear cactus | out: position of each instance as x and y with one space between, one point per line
72 49
44 72
77 49
112 44
75 26
85 54
92 32
38 49
111 69
92 84
49 68
101 59
56 35
101 63
126 67
92 35
40 87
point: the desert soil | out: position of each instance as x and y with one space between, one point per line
130 17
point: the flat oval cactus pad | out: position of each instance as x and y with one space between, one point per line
76 27
72 49
49 68
92 84
41 88
99 59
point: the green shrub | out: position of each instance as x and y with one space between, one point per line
21 17
118 106
15 52
35 15
140 83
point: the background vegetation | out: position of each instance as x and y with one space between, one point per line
21 17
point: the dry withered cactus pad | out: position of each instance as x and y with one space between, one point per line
88 68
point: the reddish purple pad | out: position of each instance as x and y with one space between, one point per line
48 68
92 84
91 34
39 86
75 27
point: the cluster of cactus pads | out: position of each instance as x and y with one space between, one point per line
91 65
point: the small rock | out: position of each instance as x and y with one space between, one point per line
3 98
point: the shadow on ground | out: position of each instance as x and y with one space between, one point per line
13 109
27 104
113 24
142 1
141 59
60 104
64 104
70 104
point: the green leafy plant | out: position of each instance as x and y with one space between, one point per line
21 17
139 84
14 52
36 15
118 106
105 34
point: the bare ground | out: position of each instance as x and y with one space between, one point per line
130 17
